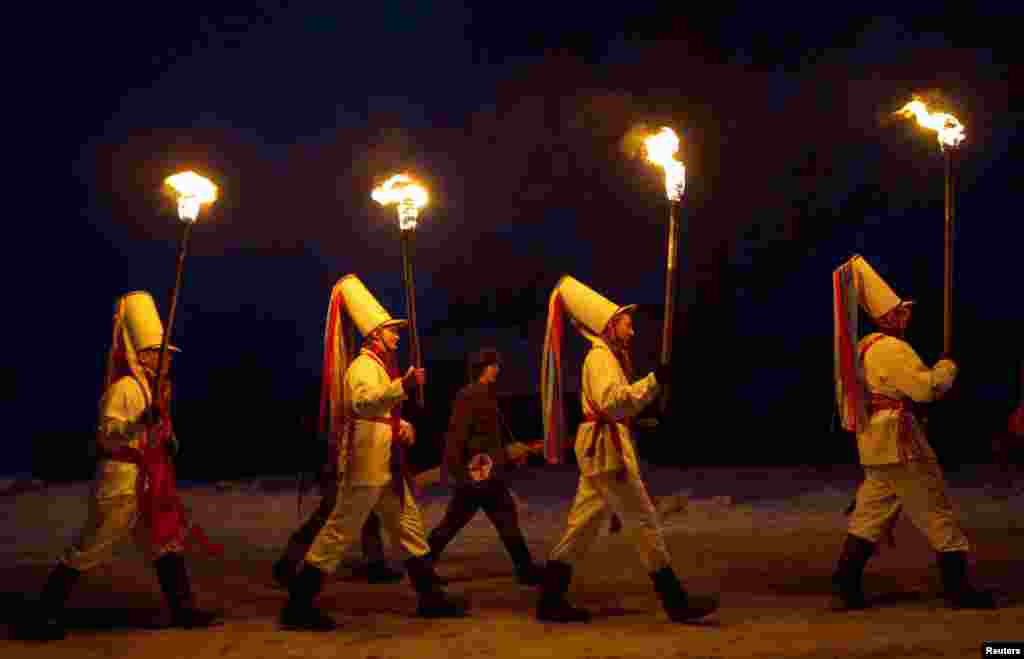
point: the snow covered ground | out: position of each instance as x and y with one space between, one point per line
766 538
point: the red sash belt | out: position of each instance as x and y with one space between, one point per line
603 420
398 467
909 449
907 446
159 503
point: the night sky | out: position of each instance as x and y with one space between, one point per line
514 116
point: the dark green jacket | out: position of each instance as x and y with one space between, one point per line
474 427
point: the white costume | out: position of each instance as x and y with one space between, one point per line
113 503
609 474
362 396
877 382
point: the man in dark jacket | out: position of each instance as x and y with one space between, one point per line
475 460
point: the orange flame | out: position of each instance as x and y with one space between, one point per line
192 190
409 195
661 150
948 127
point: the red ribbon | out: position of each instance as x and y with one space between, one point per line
158 500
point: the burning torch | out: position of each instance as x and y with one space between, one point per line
661 150
409 197
192 191
950 133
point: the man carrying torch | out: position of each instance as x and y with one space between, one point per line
879 381
121 500
609 473
362 398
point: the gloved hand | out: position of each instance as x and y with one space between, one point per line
517 452
663 373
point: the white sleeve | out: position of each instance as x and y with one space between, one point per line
368 397
616 401
900 366
121 406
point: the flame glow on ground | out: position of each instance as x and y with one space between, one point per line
661 150
948 127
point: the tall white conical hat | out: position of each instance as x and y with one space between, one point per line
142 321
366 312
875 295
855 284
586 306
137 327
590 312
351 304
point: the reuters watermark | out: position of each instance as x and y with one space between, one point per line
1002 649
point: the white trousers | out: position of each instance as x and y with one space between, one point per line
920 490
403 525
596 498
111 521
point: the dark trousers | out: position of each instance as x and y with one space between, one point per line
372 542
495 499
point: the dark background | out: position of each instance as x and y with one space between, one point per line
514 116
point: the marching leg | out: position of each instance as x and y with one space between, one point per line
46 618
299 614
174 582
300 541
959 593
847 581
552 605
377 568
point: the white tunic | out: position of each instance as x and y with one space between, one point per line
365 458
893 369
605 385
120 409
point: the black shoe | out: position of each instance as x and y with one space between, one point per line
299 614
530 575
552 605
380 572
45 619
847 581
439 604
284 571
433 601
174 582
192 618
286 566
527 572
960 594
679 604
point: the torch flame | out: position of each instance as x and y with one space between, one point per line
948 127
661 150
192 190
409 195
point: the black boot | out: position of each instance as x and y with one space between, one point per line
380 572
847 587
528 573
960 594
45 621
552 605
680 605
286 566
299 613
433 601
174 582
434 555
